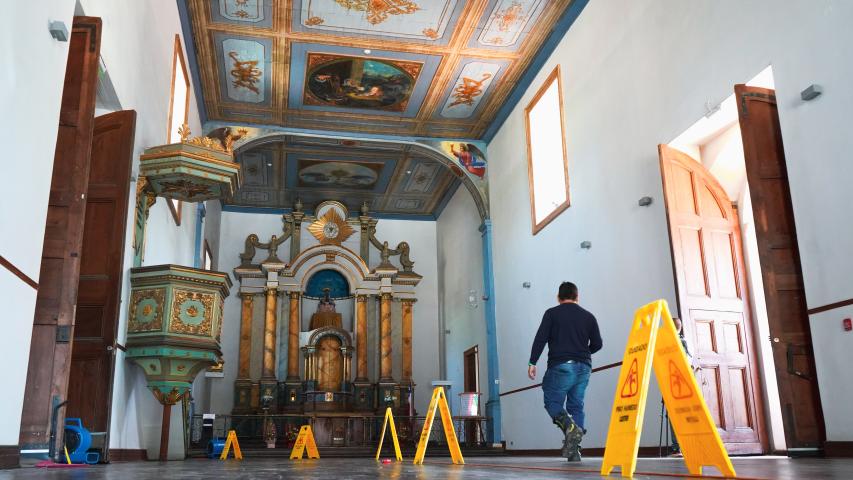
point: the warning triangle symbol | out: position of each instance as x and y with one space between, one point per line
632 381
678 385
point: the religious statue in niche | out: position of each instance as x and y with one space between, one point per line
470 157
326 316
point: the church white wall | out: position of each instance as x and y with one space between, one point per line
636 74
32 61
460 266
235 226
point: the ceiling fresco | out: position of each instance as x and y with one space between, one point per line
430 68
391 178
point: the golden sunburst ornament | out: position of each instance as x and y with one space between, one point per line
331 229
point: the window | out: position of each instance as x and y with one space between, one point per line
547 166
207 260
179 103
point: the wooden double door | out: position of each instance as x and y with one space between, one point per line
713 298
712 289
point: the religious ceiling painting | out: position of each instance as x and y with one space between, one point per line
389 177
428 21
473 82
469 156
256 13
357 82
342 79
338 175
507 23
423 68
244 74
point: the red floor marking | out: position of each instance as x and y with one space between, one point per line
596 472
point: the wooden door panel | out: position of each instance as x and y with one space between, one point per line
776 235
102 253
693 262
49 359
708 259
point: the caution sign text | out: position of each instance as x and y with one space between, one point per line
654 343
304 441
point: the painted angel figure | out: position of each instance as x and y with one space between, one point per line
470 158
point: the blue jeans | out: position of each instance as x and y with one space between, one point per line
566 384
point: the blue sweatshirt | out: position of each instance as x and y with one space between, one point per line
571 333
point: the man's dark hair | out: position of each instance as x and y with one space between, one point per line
568 291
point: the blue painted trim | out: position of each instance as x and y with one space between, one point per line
192 59
560 29
308 211
451 191
199 234
493 406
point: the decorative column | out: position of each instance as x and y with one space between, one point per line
269 385
361 338
293 384
407 386
407 340
363 391
385 365
243 385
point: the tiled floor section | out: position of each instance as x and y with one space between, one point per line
477 468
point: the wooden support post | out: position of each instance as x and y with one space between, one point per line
164 432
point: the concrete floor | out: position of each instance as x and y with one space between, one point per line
491 468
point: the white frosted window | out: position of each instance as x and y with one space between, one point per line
546 150
178 105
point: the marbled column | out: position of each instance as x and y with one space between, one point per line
407 340
293 338
385 371
245 336
361 338
268 371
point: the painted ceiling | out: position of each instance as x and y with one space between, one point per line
432 68
392 178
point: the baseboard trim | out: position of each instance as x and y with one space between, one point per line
590 452
838 449
128 455
10 456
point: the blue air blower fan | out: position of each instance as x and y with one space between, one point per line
78 440
215 447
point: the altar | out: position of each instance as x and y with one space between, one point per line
316 321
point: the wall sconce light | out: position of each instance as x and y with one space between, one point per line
58 31
525 285
645 201
813 91
472 299
586 244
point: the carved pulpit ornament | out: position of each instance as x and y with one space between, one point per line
331 229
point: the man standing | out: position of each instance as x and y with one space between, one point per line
572 336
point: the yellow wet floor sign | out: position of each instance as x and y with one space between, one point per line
305 440
231 442
389 419
652 344
439 401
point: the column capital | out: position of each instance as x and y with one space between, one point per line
386 296
361 297
294 295
246 295
408 301
269 291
